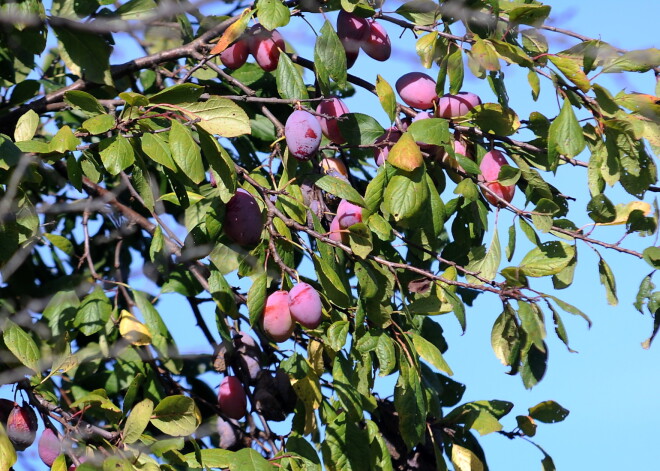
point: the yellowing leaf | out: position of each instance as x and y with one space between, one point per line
133 330
7 452
624 210
233 32
464 459
406 154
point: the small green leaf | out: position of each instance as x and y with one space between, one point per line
465 459
219 116
493 118
329 57
338 188
256 298
84 102
181 93
157 150
26 126
360 129
61 243
652 256
607 280
272 14
93 313
386 97
426 48
565 135
177 416
547 259
116 154
430 353
137 421
405 154
485 54
99 124
432 131
571 69
186 153
289 81
85 54
548 412
21 344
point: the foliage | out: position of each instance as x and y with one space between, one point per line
101 166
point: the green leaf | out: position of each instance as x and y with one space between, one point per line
219 116
290 83
571 69
565 135
64 141
420 12
177 416
186 153
410 405
99 124
26 126
432 131
256 298
512 53
359 129
386 97
652 256
86 55
485 54
83 101
338 187
329 57
249 459
534 366
360 240
548 412
405 154
386 354
405 195
430 353
601 209
137 421
94 312
532 15
426 48
488 265
116 154
61 243
505 338
607 280
455 69
532 323
10 153
336 335
210 458
465 459
21 344
157 150
547 259
183 93
344 445
272 14
641 60
494 119
136 9
570 309
534 84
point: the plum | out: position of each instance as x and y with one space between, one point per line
348 214
235 55
226 433
490 167
417 89
303 134
353 31
336 233
243 223
49 447
330 127
249 355
391 135
377 45
231 398
305 305
421 115
455 106
277 320
334 167
6 406
22 426
265 47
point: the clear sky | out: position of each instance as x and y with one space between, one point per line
612 385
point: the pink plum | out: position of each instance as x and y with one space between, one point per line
303 134
417 89
49 447
277 321
490 167
231 398
330 127
391 135
377 45
235 55
305 305
455 106
348 214
265 47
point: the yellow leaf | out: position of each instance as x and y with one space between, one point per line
133 330
623 212
464 459
7 452
233 32
406 154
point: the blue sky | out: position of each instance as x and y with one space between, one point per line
612 385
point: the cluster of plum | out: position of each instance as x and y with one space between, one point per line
357 33
264 45
20 423
273 395
283 309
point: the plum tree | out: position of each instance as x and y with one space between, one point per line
454 106
303 134
277 321
490 166
231 398
305 305
332 107
243 222
149 167
265 47
417 89
49 447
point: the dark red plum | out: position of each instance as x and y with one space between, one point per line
243 222
231 398
265 47
377 45
235 55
